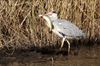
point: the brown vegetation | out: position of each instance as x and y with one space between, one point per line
20 26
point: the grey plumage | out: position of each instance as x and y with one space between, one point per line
70 30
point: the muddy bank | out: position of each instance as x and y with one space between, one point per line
86 56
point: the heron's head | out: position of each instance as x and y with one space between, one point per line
52 15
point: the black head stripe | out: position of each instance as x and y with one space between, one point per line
62 34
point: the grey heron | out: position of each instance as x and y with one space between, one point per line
63 28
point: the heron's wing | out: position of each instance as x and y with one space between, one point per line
67 28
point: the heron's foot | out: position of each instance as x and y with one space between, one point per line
60 48
68 50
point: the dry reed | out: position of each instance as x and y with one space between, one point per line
20 26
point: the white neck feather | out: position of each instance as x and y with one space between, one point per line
49 23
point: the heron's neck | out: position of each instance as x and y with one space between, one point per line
49 23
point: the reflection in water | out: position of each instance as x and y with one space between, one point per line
85 57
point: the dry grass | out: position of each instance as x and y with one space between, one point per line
20 25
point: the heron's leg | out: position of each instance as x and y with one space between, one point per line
67 42
62 42
68 45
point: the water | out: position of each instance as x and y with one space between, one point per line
85 57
